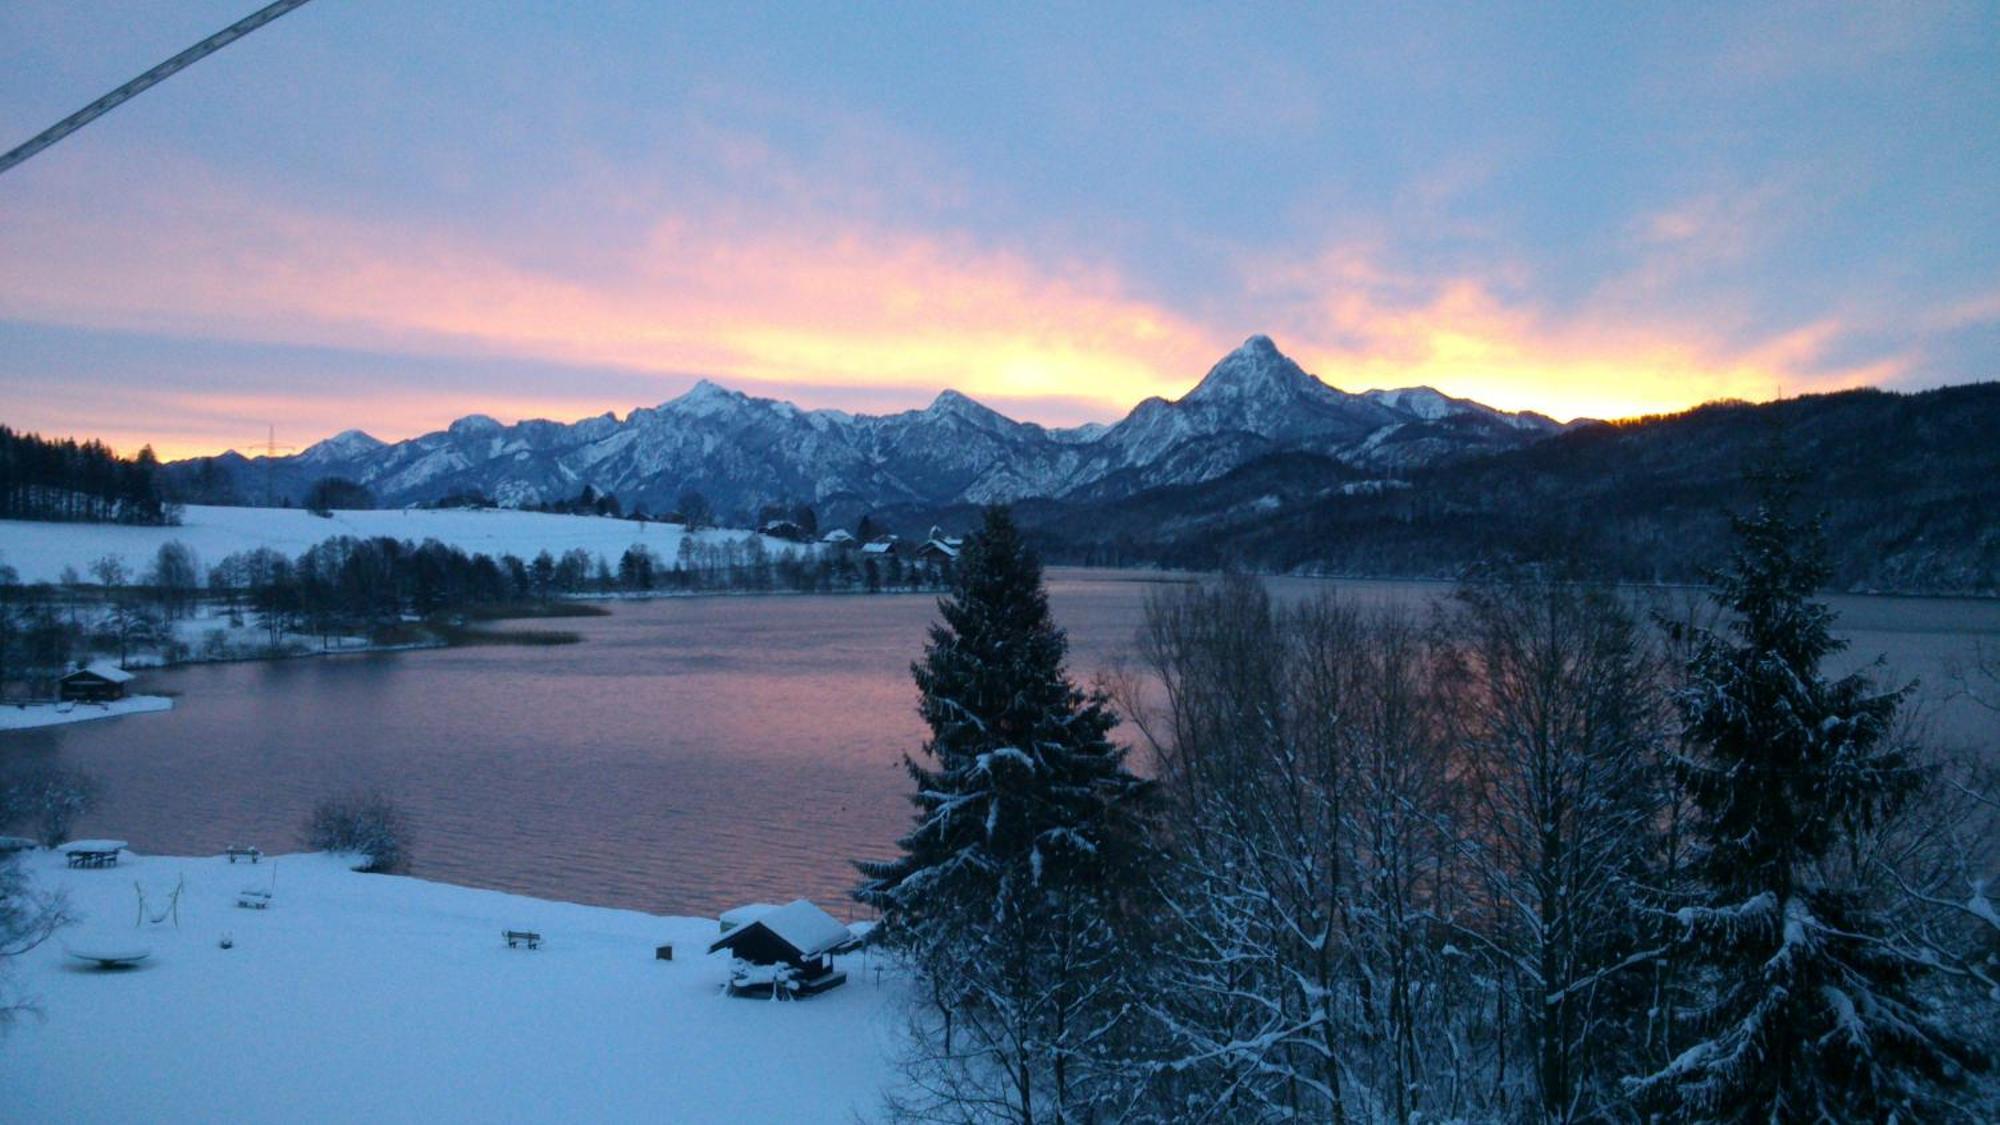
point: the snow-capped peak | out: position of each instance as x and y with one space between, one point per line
950 403
1431 404
705 398
1427 403
475 425
342 446
1256 370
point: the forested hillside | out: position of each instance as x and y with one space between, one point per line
1909 483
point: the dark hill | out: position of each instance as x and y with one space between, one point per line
1909 484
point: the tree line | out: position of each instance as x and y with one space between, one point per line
349 586
1534 855
45 479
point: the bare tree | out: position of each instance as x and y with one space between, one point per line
175 577
27 919
49 799
365 823
1302 762
1559 726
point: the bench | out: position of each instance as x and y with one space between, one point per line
234 853
522 937
253 898
93 858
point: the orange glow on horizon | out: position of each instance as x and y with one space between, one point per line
825 316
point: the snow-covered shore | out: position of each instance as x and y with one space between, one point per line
29 716
381 998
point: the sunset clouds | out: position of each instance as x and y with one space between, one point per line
563 219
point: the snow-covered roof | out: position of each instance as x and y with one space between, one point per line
93 846
838 535
104 669
799 924
878 548
745 914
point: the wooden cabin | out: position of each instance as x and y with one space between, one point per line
790 948
99 682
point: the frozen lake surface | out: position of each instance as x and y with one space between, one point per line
690 755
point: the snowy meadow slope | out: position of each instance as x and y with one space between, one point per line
40 550
383 998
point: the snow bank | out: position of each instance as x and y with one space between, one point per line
40 550
27 716
371 997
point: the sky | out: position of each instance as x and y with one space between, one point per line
385 215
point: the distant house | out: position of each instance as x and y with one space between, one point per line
940 548
789 949
882 547
99 682
838 537
784 529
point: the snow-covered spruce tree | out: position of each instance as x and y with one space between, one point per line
1009 897
1803 1012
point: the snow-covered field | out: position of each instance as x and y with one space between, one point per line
27 716
378 998
40 551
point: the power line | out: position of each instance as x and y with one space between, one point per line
158 74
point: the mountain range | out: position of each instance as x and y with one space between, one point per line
742 452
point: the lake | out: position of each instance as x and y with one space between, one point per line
690 755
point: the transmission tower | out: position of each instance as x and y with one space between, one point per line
270 448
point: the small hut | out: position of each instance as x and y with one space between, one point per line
99 682
787 951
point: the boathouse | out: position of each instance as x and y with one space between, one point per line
788 950
99 682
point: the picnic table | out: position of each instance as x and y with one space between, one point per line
239 851
93 853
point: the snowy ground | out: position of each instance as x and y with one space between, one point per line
27 716
367 997
40 551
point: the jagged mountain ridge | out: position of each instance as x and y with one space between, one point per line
742 451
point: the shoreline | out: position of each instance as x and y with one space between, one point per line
42 714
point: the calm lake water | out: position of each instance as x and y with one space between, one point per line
690 755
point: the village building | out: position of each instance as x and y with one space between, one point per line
99 682
882 547
939 548
786 950
839 537
785 529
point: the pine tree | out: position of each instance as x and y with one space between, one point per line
1806 1013
1006 898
